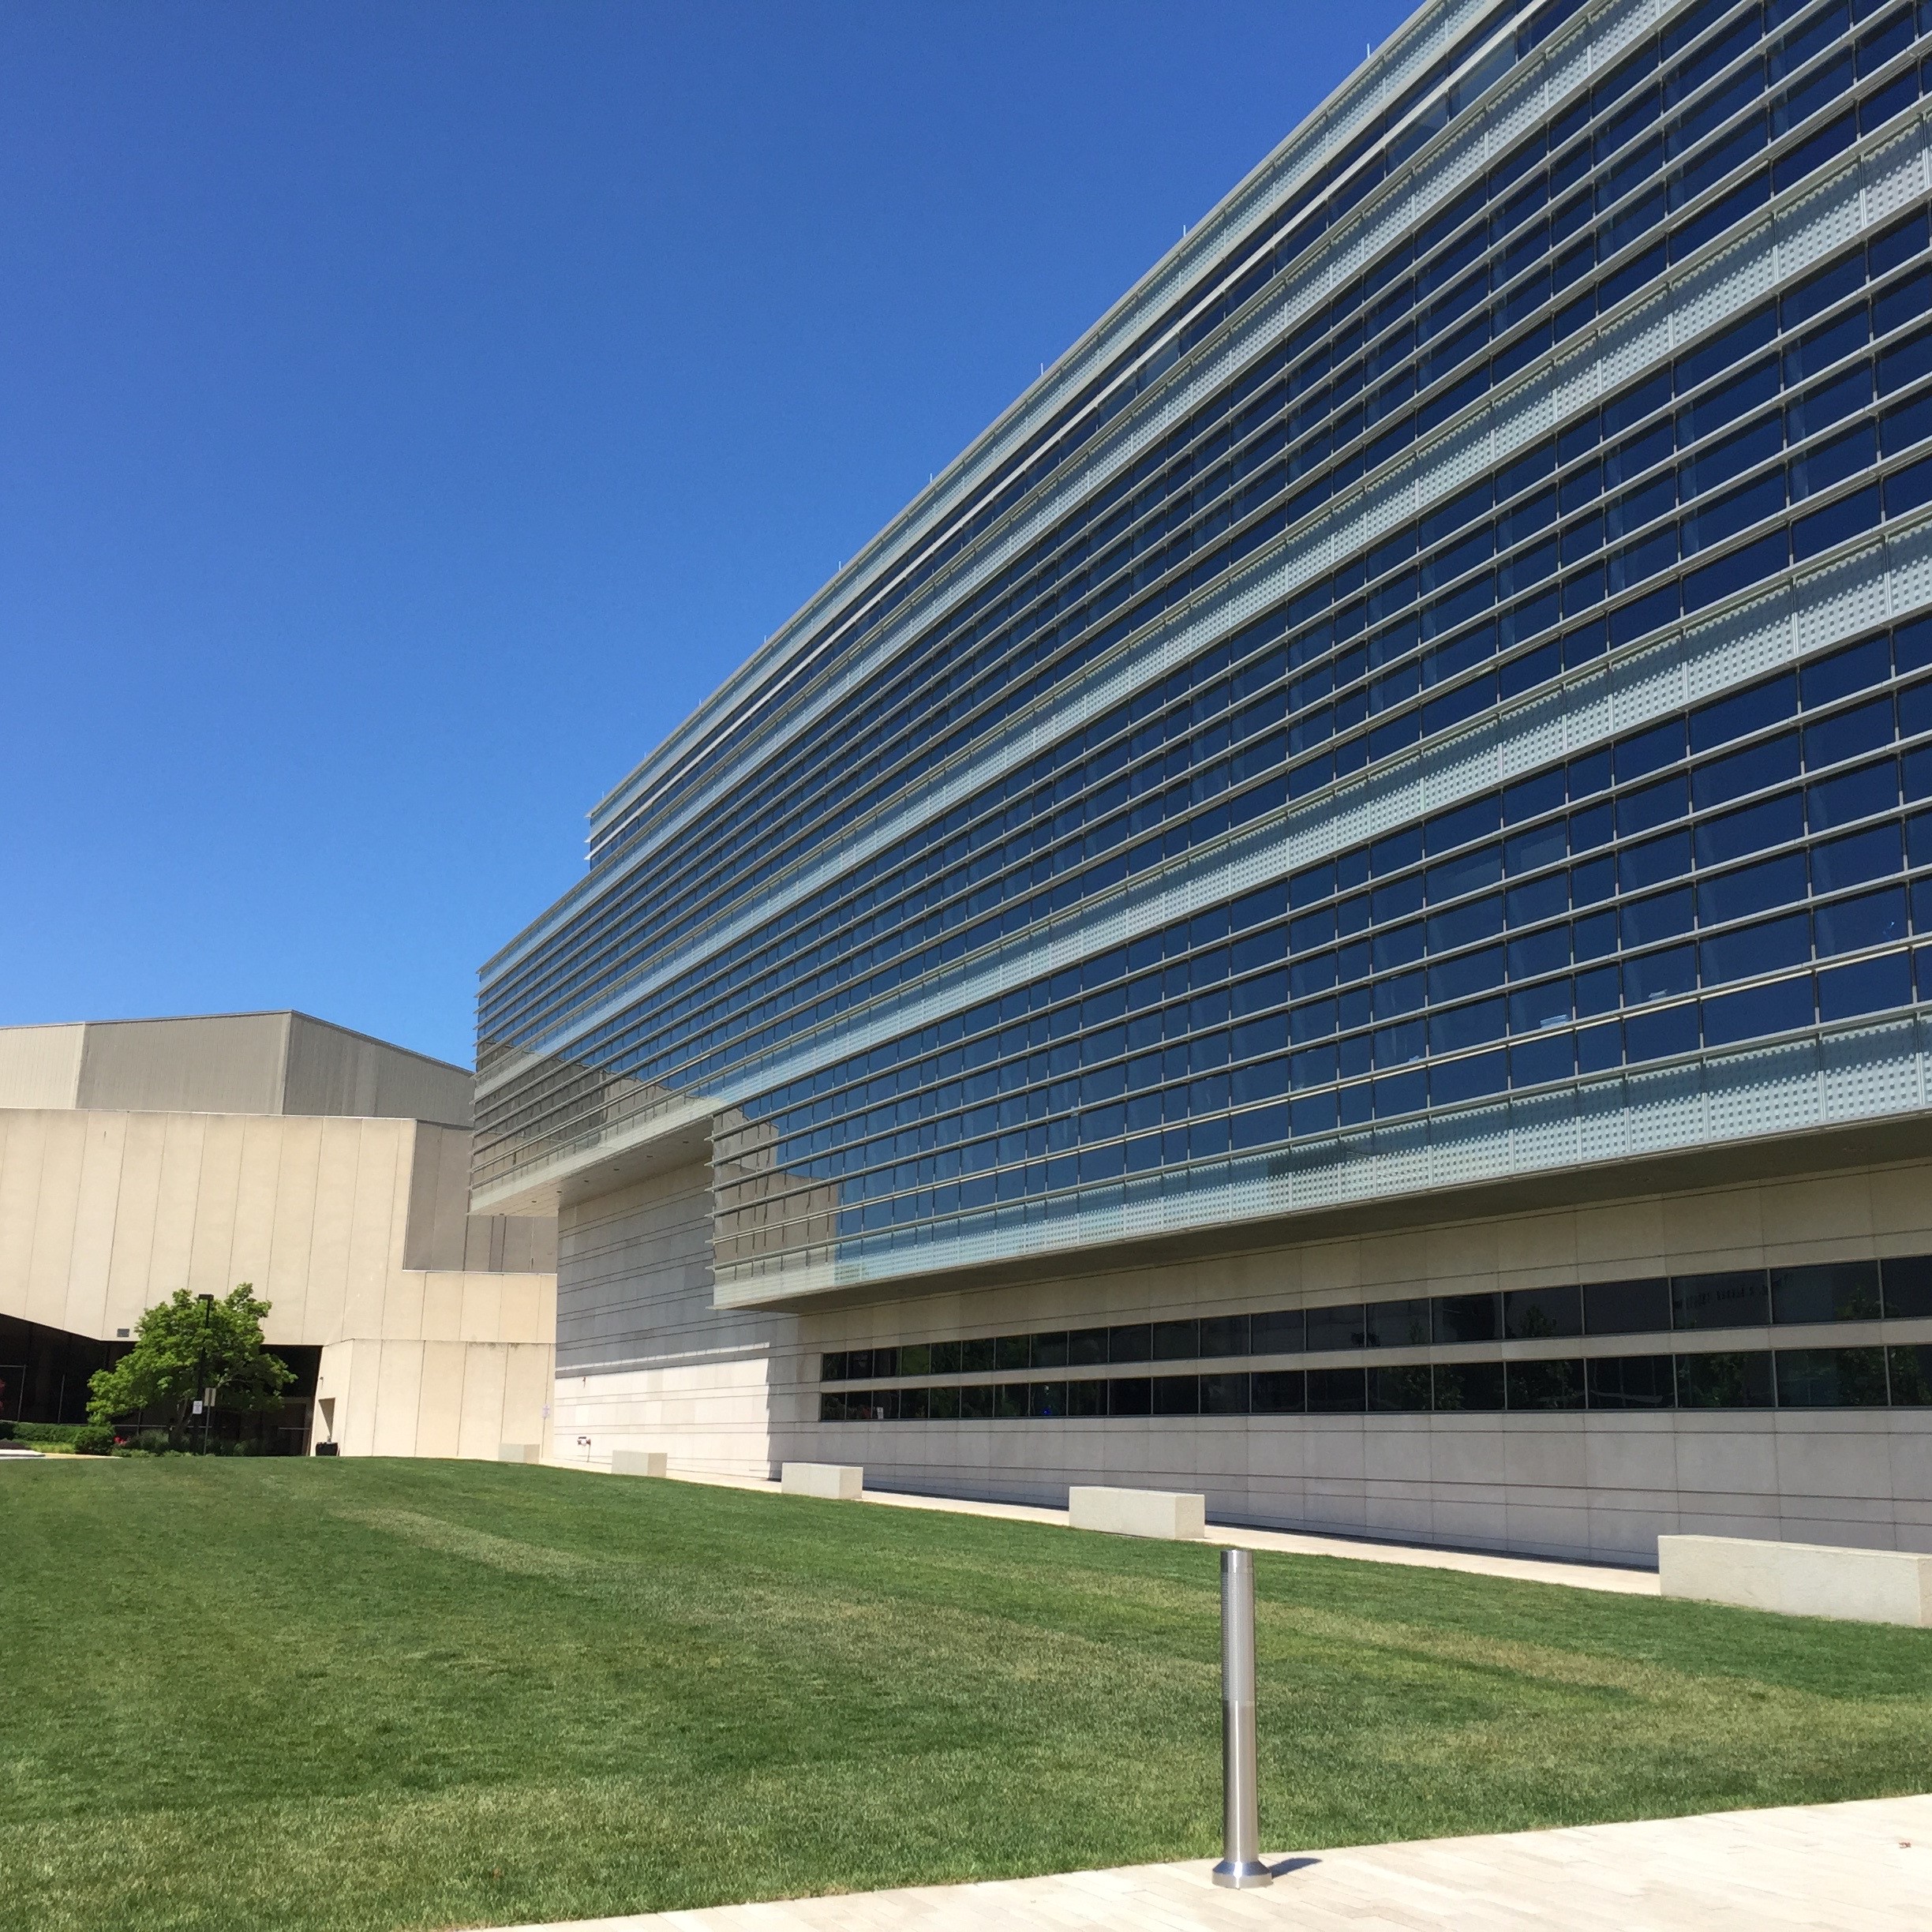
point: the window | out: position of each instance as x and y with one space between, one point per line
1339 1328
1174 1395
1772 761
1870 919
1750 949
1825 1292
1857 794
1851 861
1224 1395
1754 1012
1734 1300
1907 1286
1284 1334
1847 1378
1725 1380
1468 1318
1336 1392
1469 1386
1909 1373
1848 734
1758 828
1086 1348
1750 888
1837 522
1631 1382
1399 1390
1397 1325
1867 987
1175 1341
1545 1384
1532 1314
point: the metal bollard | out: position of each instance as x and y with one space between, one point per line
1240 1865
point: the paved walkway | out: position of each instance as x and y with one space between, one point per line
1864 1867
1531 1569
1527 1569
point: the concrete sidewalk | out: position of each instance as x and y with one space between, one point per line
1628 1582
1861 1867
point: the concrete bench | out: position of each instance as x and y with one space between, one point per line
518 1452
1800 1579
639 1462
1167 1513
837 1482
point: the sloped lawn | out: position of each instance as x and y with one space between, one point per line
259 1695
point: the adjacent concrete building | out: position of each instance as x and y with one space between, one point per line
1340 913
330 1169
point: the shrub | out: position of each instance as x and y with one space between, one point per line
49 1435
144 1441
94 1438
7 1431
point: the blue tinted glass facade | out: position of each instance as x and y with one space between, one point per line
1438 685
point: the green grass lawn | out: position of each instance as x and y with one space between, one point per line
267 1694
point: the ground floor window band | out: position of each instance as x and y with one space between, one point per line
1898 1289
1841 1378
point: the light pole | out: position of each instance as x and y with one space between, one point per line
201 1387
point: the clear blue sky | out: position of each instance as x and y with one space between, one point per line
408 412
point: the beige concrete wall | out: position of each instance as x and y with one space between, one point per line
214 1063
40 1066
645 1361
228 1063
443 1234
102 1213
328 1069
433 1397
677 1375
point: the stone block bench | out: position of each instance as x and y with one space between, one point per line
1800 1579
1166 1512
837 1482
639 1462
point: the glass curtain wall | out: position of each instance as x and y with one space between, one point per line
1452 678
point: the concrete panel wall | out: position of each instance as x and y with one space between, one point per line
225 1063
442 1232
124 1209
679 1375
418 1397
645 1361
511 1244
1593 1485
331 1070
102 1213
40 1066
439 1198
228 1063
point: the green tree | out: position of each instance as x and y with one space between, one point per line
185 1345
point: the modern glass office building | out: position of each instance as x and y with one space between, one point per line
1350 889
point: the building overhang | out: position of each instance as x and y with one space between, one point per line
1772 1158
617 1157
